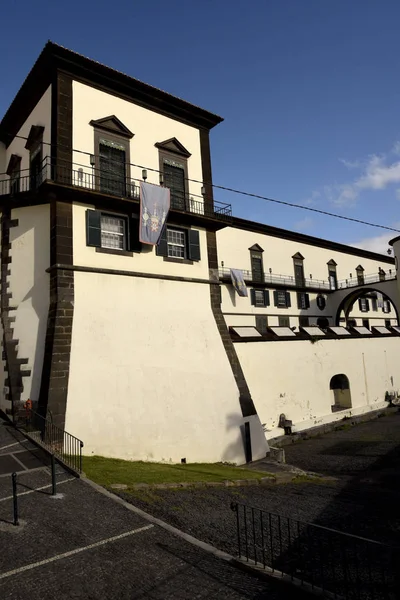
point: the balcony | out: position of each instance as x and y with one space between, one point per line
280 280
317 284
367 279
88 178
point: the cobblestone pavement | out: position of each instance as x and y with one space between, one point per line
364 499
81 544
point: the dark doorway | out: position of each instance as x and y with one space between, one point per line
341 396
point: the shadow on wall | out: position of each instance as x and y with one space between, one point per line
238 451
38 294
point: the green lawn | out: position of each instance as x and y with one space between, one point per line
106 471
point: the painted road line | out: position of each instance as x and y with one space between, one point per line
40 563
44 487
14 444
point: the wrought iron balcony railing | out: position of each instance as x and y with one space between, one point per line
283 280
90 178
367 279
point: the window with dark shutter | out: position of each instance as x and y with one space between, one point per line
174 179
162 246
304 321
363 304
282 299
111 232
194 244
179 244
134 244
386 306
321 302
259 297
93 228
303 300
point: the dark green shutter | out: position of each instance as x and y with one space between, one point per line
194 244
266 298
93 228
307 300
134 244
367 305
288 303
298 299
389 307
162 246
253 297
275 298
360 304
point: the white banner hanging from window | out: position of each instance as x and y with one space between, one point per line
238 282
154 208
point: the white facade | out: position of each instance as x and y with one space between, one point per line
148 127
293 377
130 347
149 378
41 116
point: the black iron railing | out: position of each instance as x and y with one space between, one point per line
90 178
368 279
62 444
271 278
345 565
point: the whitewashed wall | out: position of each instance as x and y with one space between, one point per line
149 377
40 115
148 127
293 377
145 262
234 244
29 286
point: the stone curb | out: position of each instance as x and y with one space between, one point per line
317 430
220 554
197 484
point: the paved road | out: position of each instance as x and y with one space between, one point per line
81 544
364 499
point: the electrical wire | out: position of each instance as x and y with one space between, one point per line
244 193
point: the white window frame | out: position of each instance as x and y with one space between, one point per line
175 244
121 235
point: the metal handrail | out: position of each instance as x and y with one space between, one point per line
367 279
88 177
57 441
346 565
271 278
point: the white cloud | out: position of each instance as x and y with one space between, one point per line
304 224
396 148
377 173
378 243
311 200
351 164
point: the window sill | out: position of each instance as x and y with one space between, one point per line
112 251
182 261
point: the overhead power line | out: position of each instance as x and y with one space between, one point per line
244 193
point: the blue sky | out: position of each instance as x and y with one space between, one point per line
309 90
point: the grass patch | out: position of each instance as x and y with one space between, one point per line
106 471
